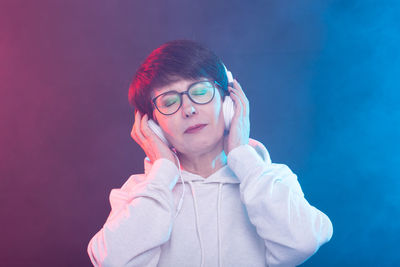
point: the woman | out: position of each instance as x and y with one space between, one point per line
242 210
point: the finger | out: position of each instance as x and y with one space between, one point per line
133 131
238 88
145 129
239 91
238 104
137 130
236 94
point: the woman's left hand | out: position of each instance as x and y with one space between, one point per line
239 131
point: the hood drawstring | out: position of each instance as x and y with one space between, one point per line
183 187
218 225
197 224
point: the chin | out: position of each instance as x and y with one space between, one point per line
201 146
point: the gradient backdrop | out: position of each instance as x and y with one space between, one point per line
323 82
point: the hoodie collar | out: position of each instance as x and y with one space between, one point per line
223 175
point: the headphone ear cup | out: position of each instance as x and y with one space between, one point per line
229 110
157 130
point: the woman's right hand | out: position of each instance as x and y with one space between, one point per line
151 144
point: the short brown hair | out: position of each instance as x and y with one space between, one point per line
172 61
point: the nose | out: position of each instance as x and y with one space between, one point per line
188 108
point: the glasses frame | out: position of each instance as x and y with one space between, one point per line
185 93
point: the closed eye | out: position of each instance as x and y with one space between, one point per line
199 92
170 101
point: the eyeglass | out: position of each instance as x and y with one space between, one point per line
199 92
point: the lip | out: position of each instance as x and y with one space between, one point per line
195 128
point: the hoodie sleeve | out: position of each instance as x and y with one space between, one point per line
292 229
140 221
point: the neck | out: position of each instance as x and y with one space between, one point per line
204 164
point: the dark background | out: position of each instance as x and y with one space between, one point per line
322 78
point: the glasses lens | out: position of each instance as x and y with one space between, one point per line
202 93
168 103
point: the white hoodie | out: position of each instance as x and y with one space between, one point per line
251 212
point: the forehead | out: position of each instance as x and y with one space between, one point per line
179 86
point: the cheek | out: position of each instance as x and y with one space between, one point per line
216 118
169 126
162 122
217 109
